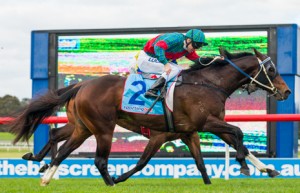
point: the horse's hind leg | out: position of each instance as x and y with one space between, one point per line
55 135
193 142
152 147
77 138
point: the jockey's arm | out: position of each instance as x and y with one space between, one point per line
193 56
161 46
160 51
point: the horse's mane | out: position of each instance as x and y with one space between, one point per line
205 60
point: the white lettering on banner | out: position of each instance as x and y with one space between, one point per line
234 170
77 170
192 170
213 170
297 171
179 170
7 169
163 169
111 169
121 168
217 171
94 171
290 170
148 170
63 170
85 168
21 169
30 169
33 169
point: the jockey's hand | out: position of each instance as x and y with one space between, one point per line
168 68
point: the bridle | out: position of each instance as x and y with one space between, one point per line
271 88
254 79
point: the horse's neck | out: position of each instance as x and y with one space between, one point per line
226 77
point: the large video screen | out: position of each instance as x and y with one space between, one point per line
84 57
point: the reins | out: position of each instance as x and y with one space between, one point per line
262 67
272 88
209 63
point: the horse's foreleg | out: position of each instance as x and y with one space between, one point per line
193 142
101 159
261 166
229 139
219 127
152 147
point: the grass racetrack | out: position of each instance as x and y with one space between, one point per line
248 185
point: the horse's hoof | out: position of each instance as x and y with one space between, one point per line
44 168
110 184
27 156
272 173
245 171
207 183
115 180
43 183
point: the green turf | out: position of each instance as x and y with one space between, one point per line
8 137
249 185
12 153
5 136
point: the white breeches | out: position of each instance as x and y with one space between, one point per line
149 64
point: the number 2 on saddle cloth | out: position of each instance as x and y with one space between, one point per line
134 101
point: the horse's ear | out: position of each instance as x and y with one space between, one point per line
224 52
257 53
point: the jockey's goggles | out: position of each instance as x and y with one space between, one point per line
197 45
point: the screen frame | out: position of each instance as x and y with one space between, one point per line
272 52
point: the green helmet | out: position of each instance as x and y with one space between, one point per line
197 36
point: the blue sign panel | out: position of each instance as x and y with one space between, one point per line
157 168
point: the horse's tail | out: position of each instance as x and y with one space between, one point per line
24 125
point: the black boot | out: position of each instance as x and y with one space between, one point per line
152 92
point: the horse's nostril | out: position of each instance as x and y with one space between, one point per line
287 93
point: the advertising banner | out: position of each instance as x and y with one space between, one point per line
156 168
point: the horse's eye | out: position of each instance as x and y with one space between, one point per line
272 70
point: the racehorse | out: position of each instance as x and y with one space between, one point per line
199 106
156 139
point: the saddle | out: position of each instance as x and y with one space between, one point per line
133 99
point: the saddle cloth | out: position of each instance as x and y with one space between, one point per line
134 101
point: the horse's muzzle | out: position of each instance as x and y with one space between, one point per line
283 95
287 94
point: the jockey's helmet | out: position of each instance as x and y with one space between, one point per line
197 37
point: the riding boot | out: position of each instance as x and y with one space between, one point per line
152 92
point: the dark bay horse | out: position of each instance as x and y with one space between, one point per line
156 140
199 106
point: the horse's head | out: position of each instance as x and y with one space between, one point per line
264 76
268 75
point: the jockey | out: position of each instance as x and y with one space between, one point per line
158 53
